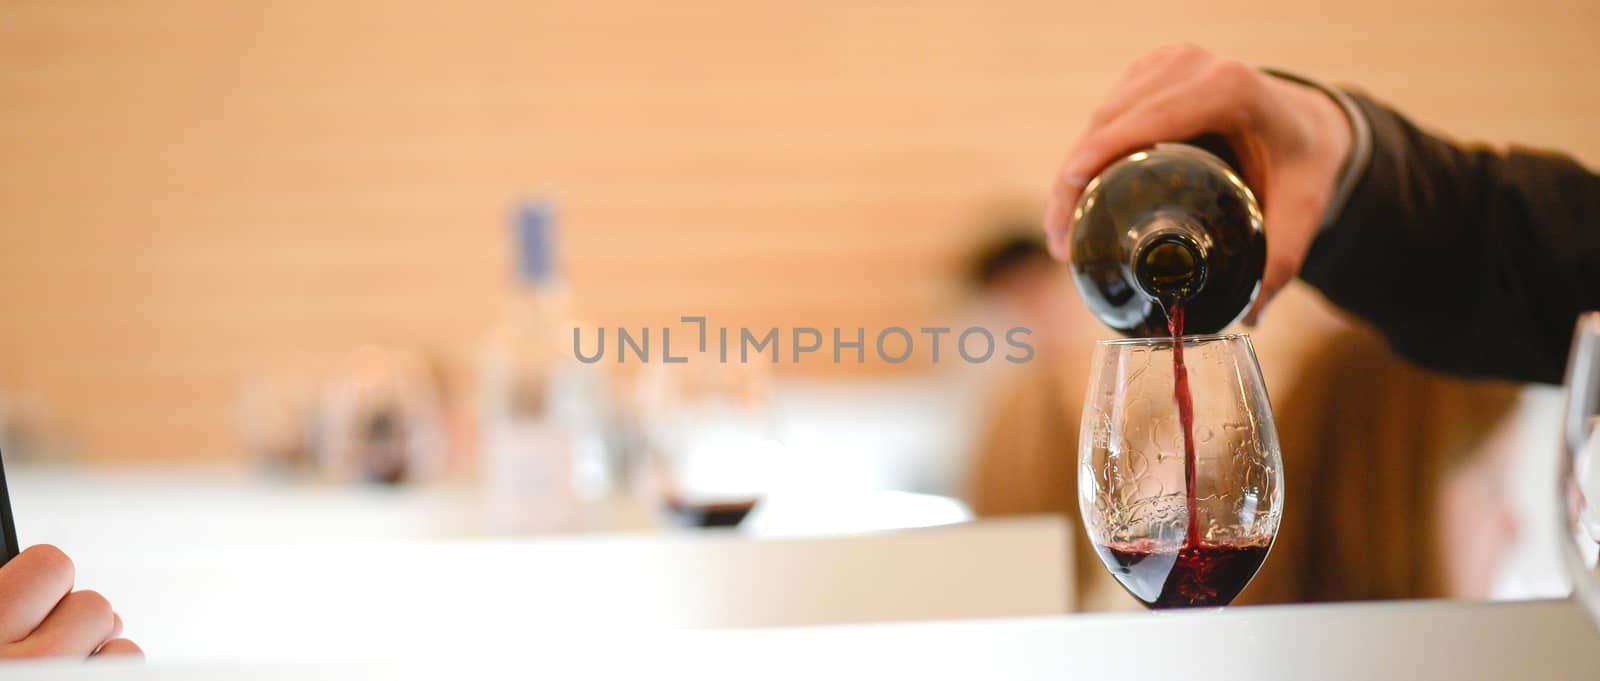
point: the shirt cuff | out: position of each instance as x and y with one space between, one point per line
1360 156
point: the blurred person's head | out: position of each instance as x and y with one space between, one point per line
1017 268
1017 279
1395 483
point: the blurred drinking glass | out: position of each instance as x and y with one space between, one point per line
1581 466
380 419
710 438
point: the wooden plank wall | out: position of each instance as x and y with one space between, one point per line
194 192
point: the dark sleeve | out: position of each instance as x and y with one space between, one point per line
1469 261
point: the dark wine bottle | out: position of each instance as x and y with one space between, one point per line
1173 225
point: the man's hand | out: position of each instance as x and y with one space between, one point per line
1291 139
41 616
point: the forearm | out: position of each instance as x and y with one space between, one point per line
1468 261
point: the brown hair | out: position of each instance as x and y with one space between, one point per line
1368 442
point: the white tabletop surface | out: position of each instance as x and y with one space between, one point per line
1456 641
320 601
1406 640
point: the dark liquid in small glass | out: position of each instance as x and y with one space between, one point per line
718 514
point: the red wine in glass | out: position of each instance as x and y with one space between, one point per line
1197 575
709 514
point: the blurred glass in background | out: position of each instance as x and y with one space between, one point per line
380 421
711 442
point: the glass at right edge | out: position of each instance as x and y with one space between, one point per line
1580 478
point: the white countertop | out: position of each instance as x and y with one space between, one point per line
324 601
132 535
1404 640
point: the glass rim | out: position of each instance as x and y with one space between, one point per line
1167 340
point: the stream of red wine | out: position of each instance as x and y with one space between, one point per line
1180 393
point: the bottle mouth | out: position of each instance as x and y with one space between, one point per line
1169 264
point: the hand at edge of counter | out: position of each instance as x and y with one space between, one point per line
1291 138
42 616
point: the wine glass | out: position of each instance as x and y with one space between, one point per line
380 420
1181 502
710 438
1580 488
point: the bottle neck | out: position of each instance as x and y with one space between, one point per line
1169 257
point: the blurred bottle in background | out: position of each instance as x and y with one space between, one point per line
544 434
380 419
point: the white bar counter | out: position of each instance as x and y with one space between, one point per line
383 599
1402 640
